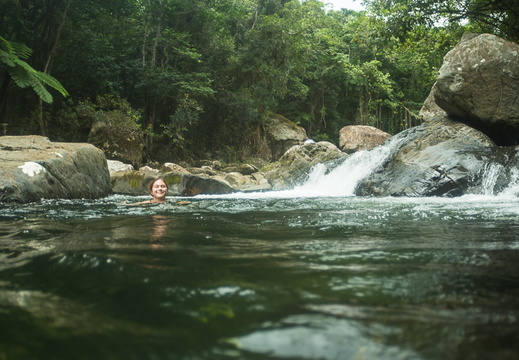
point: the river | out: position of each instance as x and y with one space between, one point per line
279 275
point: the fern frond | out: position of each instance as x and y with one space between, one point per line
40 90
11 58
19 75
17 49
52 82
7 58
5 45
21 50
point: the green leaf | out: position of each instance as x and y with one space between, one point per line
11 58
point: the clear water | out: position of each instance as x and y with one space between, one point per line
271 276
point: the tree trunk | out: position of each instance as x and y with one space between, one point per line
47 65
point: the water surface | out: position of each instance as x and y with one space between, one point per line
266 277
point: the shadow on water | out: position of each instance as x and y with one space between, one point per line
272 278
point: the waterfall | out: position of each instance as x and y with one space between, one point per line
512 190
343 180
491 173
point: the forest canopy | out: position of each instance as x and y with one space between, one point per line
201 76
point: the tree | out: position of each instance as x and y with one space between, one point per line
495 16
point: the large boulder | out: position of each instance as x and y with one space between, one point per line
441 158
354 138
33 168
471 109
119 137
478 84
294 166
282 134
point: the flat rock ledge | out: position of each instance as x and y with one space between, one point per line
33 168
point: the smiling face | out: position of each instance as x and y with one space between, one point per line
159 190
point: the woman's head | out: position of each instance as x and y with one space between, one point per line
158 188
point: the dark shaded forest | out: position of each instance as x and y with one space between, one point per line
200 77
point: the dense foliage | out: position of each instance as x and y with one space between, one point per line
201 76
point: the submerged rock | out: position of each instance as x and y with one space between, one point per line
33 168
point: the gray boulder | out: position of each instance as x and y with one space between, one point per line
354 138
471 109
282 134
33 168
294 166
478 84
441 158
244 169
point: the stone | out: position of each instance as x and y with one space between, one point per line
441 158
354 138
213 164
203 171
478 84
167 167
282 134
116 166
148 169
119 137
294 166
244 169
430 111
33 168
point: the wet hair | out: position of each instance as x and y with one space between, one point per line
152 182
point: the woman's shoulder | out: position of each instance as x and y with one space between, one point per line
141 203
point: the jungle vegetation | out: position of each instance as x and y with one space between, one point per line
201 76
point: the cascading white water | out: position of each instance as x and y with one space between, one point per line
343 180
512 189
490 176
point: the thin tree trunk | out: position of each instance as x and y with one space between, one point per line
3 98
46 67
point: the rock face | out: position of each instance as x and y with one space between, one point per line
116 166
33 168
478 84
360 137
282 134
119 137
443 158
294 166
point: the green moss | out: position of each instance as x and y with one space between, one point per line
172 178
134 179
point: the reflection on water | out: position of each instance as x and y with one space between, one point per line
264 278
159 227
